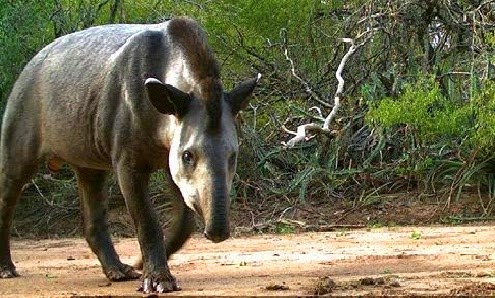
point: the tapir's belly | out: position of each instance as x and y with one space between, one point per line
83 156
75 141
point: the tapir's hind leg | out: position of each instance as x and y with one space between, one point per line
14 173
94 203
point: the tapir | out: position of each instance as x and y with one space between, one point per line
132 99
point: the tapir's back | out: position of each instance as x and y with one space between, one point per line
84 55
80 57
70 93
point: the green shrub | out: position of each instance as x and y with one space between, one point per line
483 107
424 111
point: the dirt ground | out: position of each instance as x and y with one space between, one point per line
407 261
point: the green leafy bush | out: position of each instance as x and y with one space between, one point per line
483 107
424 111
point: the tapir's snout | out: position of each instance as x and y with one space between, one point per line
217 226
215 210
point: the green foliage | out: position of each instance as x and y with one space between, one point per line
438 126
434 118
416 235
424 110
483 106
24 29
283 228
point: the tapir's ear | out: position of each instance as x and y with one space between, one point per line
239 97
166 98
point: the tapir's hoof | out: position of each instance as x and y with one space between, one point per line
8 271
121 273
164 284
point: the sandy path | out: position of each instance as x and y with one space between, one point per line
444 260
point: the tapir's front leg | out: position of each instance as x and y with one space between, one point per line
133 181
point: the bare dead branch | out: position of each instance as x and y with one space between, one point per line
340 86
306 132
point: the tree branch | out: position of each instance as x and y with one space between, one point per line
306 132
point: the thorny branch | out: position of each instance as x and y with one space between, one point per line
306 132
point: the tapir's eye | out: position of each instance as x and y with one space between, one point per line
232 159
188 157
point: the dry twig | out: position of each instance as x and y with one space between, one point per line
306 132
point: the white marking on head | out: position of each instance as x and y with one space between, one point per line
189 190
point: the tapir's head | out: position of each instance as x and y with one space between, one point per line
204 147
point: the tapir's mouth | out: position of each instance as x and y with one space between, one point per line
217 237
199 212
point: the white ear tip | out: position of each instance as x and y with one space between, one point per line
152 80
258 77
